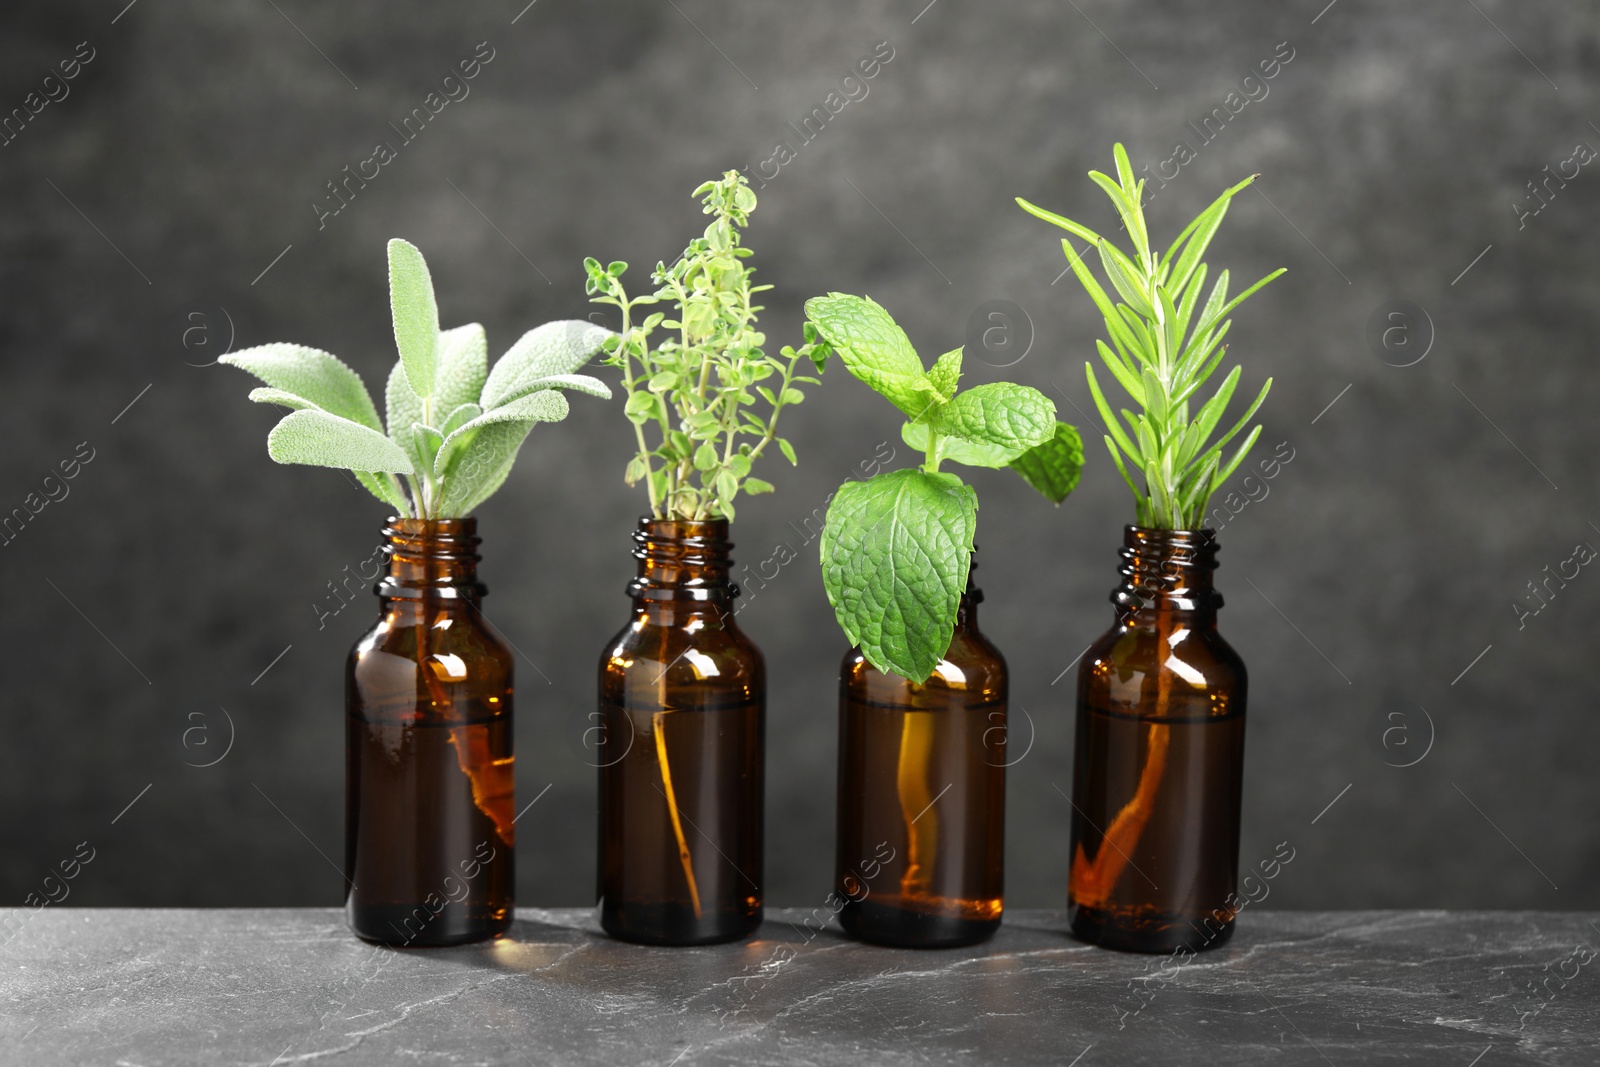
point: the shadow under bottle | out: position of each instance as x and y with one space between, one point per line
920 848
682 751
429 770
1159 758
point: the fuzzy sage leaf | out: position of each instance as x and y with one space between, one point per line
454 425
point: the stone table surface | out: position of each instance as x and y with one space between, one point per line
224 987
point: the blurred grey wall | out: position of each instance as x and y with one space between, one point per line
173 197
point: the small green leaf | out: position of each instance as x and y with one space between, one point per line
946 373
319 379
895 554
727 485
641 408
1000 413
705 457
1053 467
755 486
320 439
788 452
416 315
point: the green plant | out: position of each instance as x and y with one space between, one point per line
896 548
455 426
1161 353
694 393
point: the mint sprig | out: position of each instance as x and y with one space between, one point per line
454 425
897 547
1165 343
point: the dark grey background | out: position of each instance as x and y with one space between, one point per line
1392 547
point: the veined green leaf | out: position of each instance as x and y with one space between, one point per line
895 554
1053 467
999 413
874 349
946 373
416 315
316 377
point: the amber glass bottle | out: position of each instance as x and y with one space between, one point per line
683 712
920 849
1159 761
428 778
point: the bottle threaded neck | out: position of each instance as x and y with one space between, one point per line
1167 569
431 557
683 559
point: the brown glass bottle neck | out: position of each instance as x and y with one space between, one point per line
683 560
971 597
1167 570
431 559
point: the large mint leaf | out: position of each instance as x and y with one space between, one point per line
461 365
483 465
1000 413
874 349
957 449
319 439
316 377
543 406
895 554
416 315
555 348
1053 467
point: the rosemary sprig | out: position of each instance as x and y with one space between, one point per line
1165 343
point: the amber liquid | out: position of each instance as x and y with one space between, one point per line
694 880
429 841
930 786
1174 887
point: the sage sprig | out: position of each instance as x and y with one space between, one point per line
692 396
897 547
454 425
1162 352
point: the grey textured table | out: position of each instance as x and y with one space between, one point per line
147 988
